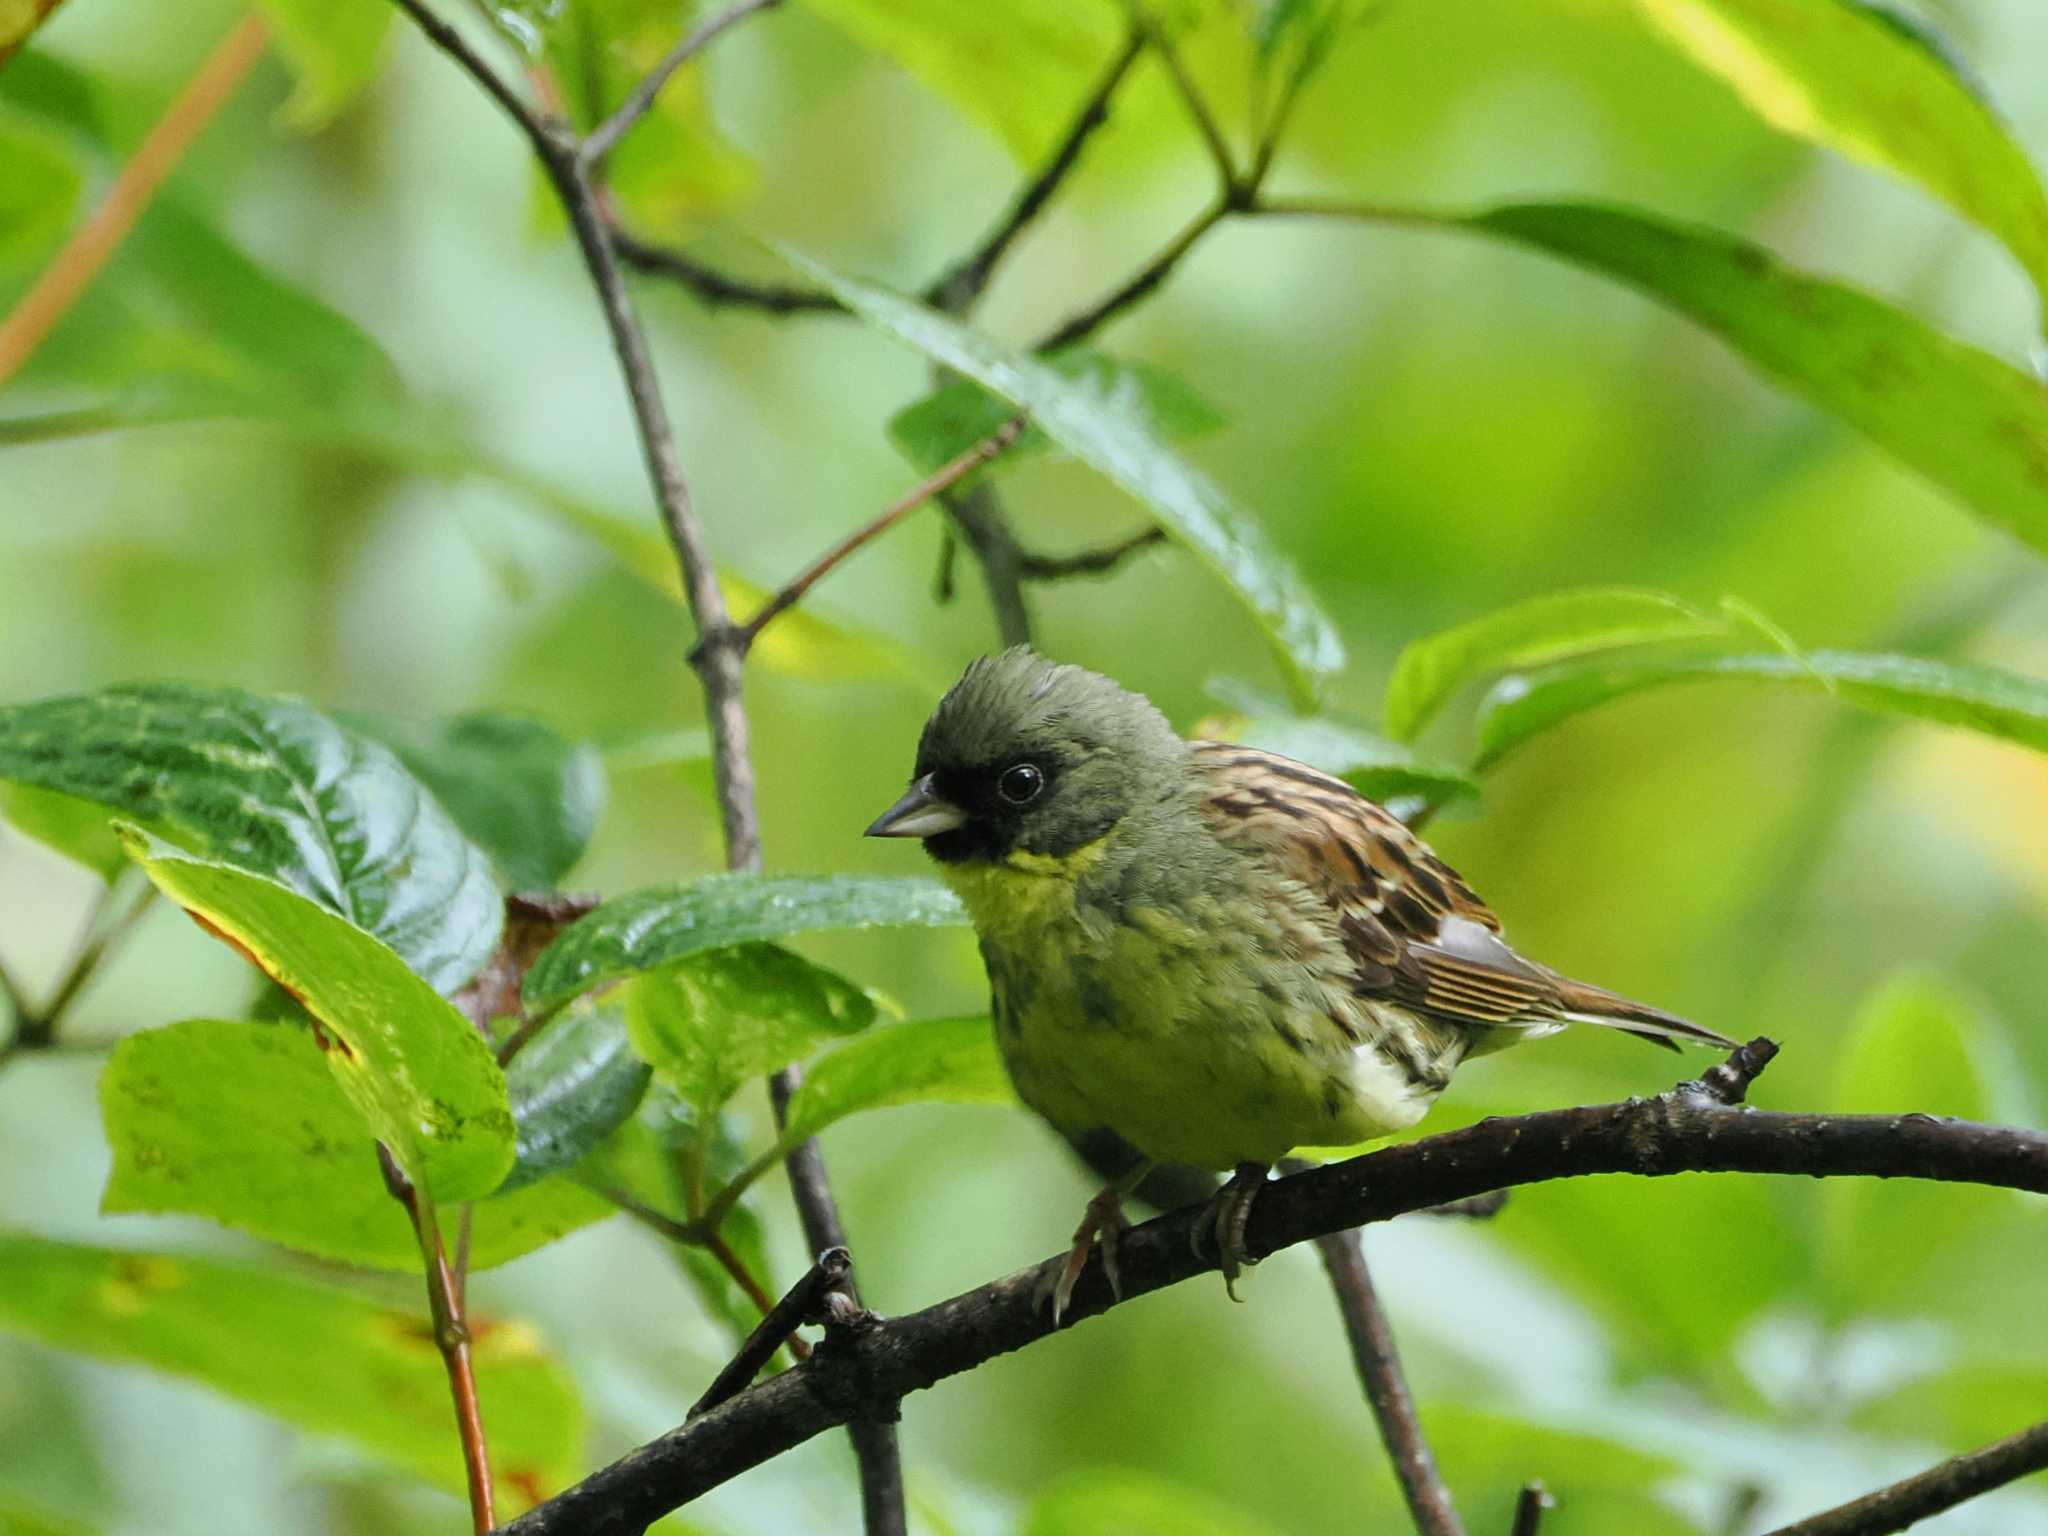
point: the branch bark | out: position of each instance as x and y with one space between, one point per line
1692 1129
1940 1487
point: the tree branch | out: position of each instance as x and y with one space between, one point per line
977 514
718 288
1529 1508
604 138
1198 109
1090 562
545 134
1940 1487
1692 1129
1386 1386
1148 277
778 1325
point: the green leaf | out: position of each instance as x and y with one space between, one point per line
1115 441
1119 1501
423 1080
942 1061
1915 1048
572 1085
1377 768
1990 700
712 1022
1849 76
1430 671
274 787
39 193
360 1372
1017 67
19 18
75 828
523 794
645 929
332 48
16 1518
1969 422
244 1124
961 414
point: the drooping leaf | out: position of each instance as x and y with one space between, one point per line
421 1078
65 824
571 1086
645 929
332 47
274 787
1971 423
1990 700
360 1372
1122 446
1543 629
524 795
1848 75
1377 768
711 1022
942 1061
957 416
242 1123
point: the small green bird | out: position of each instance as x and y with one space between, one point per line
1218 953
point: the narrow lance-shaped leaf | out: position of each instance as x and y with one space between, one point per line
242 1123
650 928
1990 700
422 1079
1121 446
1862 79
1972 424
274 787
1549 628
321 1358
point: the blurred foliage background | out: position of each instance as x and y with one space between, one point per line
1431 427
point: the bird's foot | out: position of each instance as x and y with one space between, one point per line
1223 1223
1101 1225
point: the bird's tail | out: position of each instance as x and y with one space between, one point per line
1584 1004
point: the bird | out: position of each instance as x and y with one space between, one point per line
1216 952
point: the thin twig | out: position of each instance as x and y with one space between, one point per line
1198 109
1529 1508
1148 277
950 474
544 133
103 936
696 1234
604 138
778 1325
1940 1487
718 288
1091 562
956 290
977 514
1386 1387
451 1336
71 271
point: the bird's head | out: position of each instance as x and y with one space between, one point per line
1025 755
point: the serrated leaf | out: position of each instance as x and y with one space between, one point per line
1971 423
1850 77
65 824
1121 446
274 787
660 925
573 1084
1377 768
1989 700
710 1023
422 1079
526 796
332 48
954 418
242 1123
357 1371
1430 671
943 1061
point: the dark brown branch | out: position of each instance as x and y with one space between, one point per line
778 1325
1529 1508
1191 96
1386 1386
719 288
1089 562
1148 277
604 138
451 1336
977 516
1688 1130
932 485
1941 1487
958 288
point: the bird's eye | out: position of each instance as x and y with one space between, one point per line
1020 783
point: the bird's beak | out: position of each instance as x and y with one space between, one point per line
922 812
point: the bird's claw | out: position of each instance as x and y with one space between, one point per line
1224 1223
1101 1225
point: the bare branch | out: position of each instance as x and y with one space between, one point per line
952 473
718 288
778 1325
977 515
1529 1508
1386 1386
1228 180
1684 1131
1091 562
956 290
1148 277
604 138
545 134
1941 1487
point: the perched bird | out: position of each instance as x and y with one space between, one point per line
1216 952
